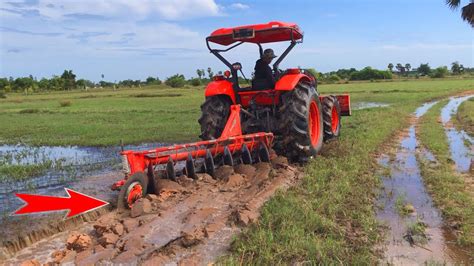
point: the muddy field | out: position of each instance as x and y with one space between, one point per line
416 231
189 221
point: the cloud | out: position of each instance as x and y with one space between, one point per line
93 9
83 37
47 34
81 16
239 6
14 50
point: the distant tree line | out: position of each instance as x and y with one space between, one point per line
67 80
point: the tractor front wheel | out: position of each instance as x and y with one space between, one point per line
215 112
134 188
331 117
301 124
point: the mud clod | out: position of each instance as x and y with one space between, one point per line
192 237
130 224
118 229
279 161
58 256
245 216
235 180
245 169
78 242
167 188
108 239
223 172
140 207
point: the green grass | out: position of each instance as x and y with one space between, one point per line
446 186
328 218
465 116
154 113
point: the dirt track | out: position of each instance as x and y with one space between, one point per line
186 222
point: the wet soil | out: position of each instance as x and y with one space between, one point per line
416 233
188 222
460 143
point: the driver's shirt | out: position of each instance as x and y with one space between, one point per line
264 72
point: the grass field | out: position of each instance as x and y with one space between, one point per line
465 116
155 113
447 188
328 218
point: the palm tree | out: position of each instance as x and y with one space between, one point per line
407 66
390 66
467 12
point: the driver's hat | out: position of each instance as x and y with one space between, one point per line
268 53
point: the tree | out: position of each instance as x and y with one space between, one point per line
408 67
390 67
150 80
210 73
467 12
195 82
176 81
199 73
456 68
69 80
401 69
369 73
440 72
424 69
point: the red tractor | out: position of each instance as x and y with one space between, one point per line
292 110
241 124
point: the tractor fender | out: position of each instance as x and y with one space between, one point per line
288 82
221 87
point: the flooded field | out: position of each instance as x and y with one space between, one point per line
57 167
460 143
416 232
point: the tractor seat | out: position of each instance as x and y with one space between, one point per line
260 84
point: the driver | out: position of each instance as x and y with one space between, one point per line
262 69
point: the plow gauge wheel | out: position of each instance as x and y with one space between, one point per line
209 163
170 172
190 168
134 188
228 160
246 156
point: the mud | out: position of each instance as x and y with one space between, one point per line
403 188
460 143
188 222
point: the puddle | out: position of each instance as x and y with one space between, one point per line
366 105
405 186
460 143
64 167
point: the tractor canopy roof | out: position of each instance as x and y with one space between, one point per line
273 31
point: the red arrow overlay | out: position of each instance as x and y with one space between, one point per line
77 203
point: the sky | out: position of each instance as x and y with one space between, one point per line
134 39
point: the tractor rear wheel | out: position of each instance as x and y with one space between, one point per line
331 117
301 123
215 112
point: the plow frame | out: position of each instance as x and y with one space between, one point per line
231 140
